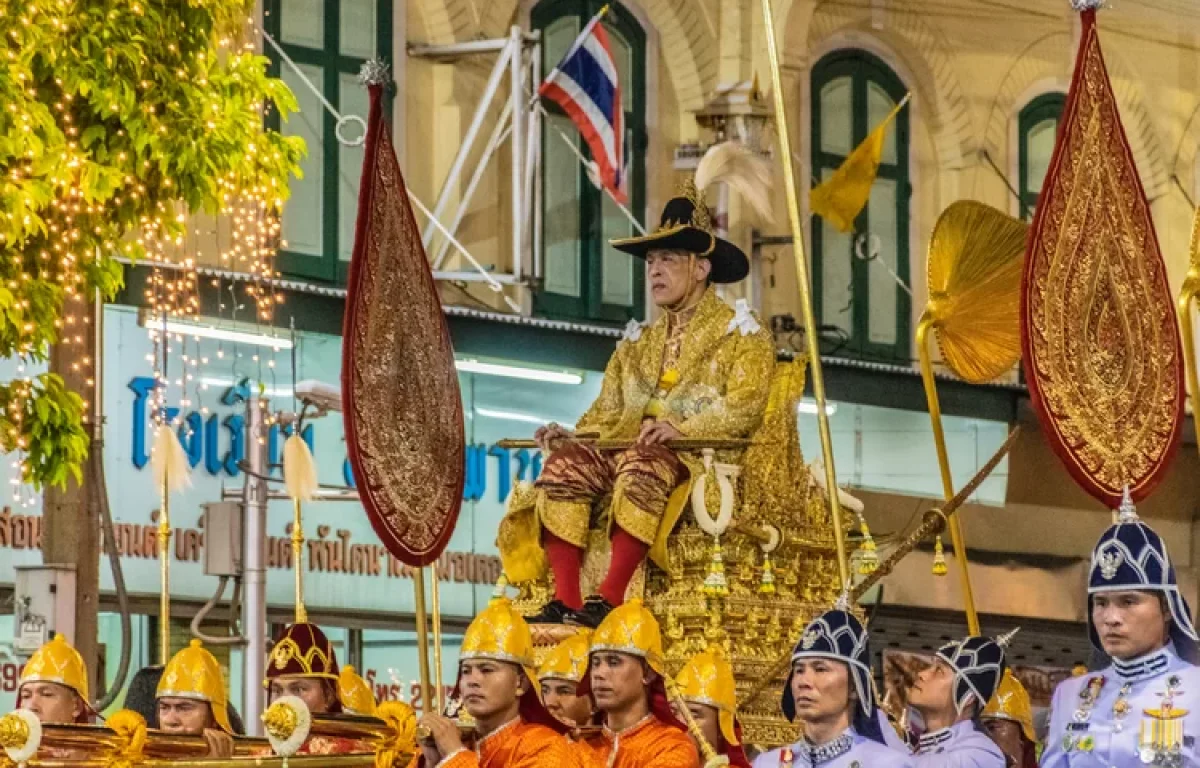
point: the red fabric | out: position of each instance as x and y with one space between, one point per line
735 753
392 300
660 705
627 554
566 560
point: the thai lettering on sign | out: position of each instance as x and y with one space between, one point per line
219 440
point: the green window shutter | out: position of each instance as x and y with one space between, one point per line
855 294
329 40
583 277
1037 130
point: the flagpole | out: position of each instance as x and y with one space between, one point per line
806 307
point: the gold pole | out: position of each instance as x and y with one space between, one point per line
1191 287
164 565
298 562
939 441
422 638
435 599
806 308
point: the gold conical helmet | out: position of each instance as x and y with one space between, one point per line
57 662
631 629
1011 702
707 679
501 634
194 673
568 660
355 693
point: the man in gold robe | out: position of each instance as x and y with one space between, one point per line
701 370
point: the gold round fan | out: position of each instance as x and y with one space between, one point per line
975 289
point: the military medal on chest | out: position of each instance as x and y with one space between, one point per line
1077 737
1160 741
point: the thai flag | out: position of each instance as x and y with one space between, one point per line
585 85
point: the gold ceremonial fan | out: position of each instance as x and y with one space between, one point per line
975 289
974 301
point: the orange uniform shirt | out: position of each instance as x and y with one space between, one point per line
516 745
649 744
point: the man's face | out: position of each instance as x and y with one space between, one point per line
673 275
618 680
706 718
51 702
821 689
187 717
489 687
563 701
933 689
312 691
1007 736
1130 624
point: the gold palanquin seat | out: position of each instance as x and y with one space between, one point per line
763 608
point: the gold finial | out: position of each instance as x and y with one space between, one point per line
939 558
700 215
280 721
14 731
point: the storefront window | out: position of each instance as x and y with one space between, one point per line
892 450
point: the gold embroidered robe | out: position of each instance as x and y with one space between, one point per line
724 368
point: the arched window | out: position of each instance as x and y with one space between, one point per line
855 276
1037 130
584 277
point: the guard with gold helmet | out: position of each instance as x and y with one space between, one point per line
498 688
706 686
626 677
54 684
192 699
1008 719
355 693
560 675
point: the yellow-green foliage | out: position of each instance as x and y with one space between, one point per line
115 113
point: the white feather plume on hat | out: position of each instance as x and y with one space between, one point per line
746 171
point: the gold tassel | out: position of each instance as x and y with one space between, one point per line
299 469
868 559
767 585
939 558
715 584
168 461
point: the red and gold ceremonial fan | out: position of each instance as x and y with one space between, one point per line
403 412
1100 344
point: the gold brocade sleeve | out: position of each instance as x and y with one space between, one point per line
739 412
602 416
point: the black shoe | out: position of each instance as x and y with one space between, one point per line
553 612
594 610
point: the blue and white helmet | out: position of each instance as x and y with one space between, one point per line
836 635
1131 556
978 664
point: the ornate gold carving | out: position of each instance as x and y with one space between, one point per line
1102 349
